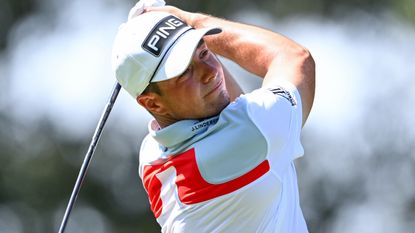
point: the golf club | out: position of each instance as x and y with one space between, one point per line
89 154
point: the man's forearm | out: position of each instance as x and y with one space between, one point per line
253 48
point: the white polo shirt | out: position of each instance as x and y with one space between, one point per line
230 173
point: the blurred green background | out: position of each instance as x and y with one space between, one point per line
358 171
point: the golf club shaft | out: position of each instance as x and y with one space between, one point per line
88 156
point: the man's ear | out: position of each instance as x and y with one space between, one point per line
152 103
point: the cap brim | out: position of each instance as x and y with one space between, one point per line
178 58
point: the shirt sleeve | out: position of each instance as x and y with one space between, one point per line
277 113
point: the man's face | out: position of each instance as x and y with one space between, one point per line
199 92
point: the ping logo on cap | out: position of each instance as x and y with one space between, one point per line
161 34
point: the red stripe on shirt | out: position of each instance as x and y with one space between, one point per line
191 186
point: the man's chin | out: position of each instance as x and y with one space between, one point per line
225 101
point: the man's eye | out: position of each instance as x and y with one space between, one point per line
203 53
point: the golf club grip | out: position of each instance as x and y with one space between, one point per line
89 155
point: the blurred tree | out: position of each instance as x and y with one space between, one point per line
282 8
406 9
39 164
10 12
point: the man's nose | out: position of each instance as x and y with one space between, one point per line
207 70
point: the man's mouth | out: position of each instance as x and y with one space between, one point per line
217 86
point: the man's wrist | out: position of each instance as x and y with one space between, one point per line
198 20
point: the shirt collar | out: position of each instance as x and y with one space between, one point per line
179 132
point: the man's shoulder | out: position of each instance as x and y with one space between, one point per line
150 150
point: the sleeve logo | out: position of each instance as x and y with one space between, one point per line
284 93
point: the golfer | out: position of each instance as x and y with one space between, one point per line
215 159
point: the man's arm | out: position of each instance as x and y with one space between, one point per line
262 52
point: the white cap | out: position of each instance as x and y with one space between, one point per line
153 47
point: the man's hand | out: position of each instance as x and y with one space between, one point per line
142 5
187 17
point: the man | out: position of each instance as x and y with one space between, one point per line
213 162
